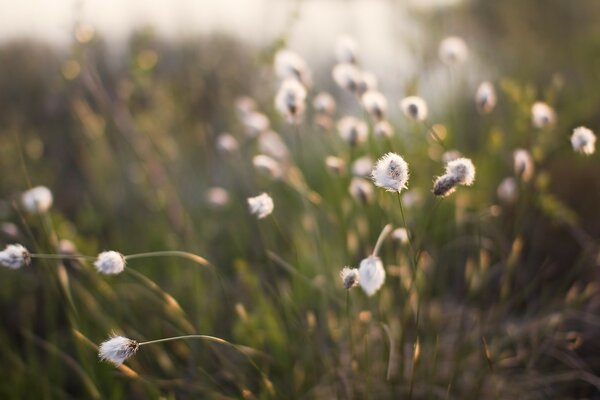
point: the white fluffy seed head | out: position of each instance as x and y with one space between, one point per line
346 50
117 349
352 130
391 173
226 143
270 143
453 50
217 197
400 235
444 185
523 164
37 200
542 115
289 65
508 190
347 76
367 81
110 263
583 140
349 277
255 123
485 97
383 129
324 103
245 105
463 170
414 107
371 275
267 166
362 166
361 190
261 205
290 100
375 103
336 165
14 256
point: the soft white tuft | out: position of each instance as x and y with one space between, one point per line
361 190
352 130
14 256
453 50
290 100
117 349
414 108
371 275
261 205
289 65
391 173
508 190
523 164
485 97
463 170
542 115
583 140
37 200
346 49
350 277
375 103
324 103
110 262
347 76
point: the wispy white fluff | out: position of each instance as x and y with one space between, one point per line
414 107
117 349
110 262
371 275
267 166
14 256
508 190
37 200
485 97
583 140
270 143
367 81
335 164
226 143
523 164
463 170
347 76
400 235
261 205
350 277
361 190
289 65
290 100
217 197
352 130
255 123
346 49
362 166
453 50
375 103
383 129
542 115
324 103
391 173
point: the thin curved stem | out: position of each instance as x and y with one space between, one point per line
384 232
167 253
184 337
61 256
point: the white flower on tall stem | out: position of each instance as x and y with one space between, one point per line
118 349
523 164
335 164
542 115
375 104
350 277
508 190
226 143
583 140
453 50
362 166
110 263
346 50
361 190
463 170
290 100
255 123
370 271
352 130
289 65
383 129
391 173
14 256
217 197
37 200
261 205
347 76
414 107
324 103
367 81
485 97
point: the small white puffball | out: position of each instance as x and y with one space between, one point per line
523 164
445 185
117 349
485 97
508 190
289 65
362 166
110 263
453 50
375 104
226 143
463 170
371 275
290 100
270 143
347 76
267 166
37 200
346 49
414 107
324 103
542 115
400 235
336 165
367 81
361 190
245 105
352 130
350 277
217 197
261 205
14 256
391 173
255 123
383 129
583 140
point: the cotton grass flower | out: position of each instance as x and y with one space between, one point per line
507 190
335 165
227 144
523 164
352 130
361 190
289 65
261 205
414 107
346 50
463 170
255 123
391 173
400 235
217 197
37 200
362 166
445 185
383 129
245 105
375 104
453 50
583 140
350 277
290 100
118 349
366 82
542 115
485 97
371 275
347 76
267 166
324 103
110 263
14 256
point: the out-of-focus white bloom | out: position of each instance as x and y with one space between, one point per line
118 349
347 76
361 190
255 123
290 100
414 108
324 103
367 81
110 263
14 256
371 275
542 115
463 170
485 97
383 129
65 246
523 164
362 166
451 155
37 200
400 235
217 197
508 190
226 143
270 143
289 65
335 164
583 140
261 205
391 173
349 277
352 130
453 50
346 50
445 185
375 103
267 166
245 105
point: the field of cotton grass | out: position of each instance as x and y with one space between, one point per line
205 219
